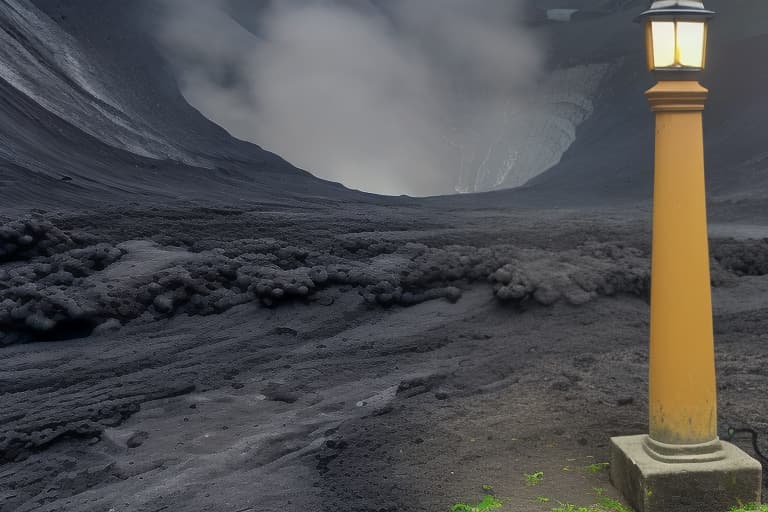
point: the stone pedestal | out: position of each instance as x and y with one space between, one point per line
694 482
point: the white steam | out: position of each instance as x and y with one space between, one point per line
393 97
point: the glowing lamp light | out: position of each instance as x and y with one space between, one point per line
676 35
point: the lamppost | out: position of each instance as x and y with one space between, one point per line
681 465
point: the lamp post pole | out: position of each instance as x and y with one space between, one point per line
681 465
682 395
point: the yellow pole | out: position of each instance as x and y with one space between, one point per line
683 394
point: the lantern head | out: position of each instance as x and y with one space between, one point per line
676 36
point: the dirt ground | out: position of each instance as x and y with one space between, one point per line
345 400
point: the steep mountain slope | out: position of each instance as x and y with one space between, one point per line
90 115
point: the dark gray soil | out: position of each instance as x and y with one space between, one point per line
344 396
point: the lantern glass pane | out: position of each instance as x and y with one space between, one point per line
690 44
663 40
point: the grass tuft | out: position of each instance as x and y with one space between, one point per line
598 468
604 504
488 503
752 507
534 479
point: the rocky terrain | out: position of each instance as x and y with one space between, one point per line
188 322
394 359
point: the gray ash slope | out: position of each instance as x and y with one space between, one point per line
91 115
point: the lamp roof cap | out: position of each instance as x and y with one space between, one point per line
680 4
694 8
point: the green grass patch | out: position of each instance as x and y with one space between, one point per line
612 505
488 503
604 504
534 479
599 467
568 507
753 507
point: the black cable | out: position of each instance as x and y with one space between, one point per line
732 432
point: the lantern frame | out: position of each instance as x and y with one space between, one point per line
675 11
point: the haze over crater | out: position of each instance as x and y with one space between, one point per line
402 97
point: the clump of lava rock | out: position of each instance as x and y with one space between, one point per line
57 284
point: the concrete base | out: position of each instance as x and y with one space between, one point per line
653 486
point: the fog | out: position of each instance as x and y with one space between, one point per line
395 97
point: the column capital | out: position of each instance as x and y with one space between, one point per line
677 96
